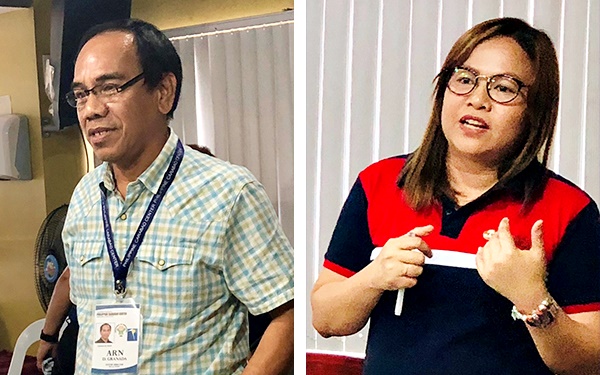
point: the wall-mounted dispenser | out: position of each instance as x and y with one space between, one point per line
15 159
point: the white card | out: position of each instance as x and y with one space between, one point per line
116 337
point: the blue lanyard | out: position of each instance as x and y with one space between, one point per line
120 269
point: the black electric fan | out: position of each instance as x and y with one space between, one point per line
50 259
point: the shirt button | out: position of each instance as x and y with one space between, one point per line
81 258
124 216
161 262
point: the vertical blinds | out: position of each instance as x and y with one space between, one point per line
370 67
237 99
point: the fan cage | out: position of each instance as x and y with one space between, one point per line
49 259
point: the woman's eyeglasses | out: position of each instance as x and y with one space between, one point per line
501 88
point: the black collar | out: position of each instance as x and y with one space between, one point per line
522 187
527 182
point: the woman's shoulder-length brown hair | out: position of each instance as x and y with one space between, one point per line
424 178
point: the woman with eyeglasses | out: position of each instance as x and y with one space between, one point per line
469 256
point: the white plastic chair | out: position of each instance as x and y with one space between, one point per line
28 337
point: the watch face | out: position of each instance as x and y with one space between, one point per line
543 316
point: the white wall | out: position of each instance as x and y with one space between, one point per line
370 66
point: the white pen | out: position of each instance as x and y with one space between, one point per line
400 297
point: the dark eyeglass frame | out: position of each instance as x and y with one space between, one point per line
489 80
74 102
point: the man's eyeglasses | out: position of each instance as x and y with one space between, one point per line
78 97
501 88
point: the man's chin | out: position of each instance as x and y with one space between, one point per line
105 155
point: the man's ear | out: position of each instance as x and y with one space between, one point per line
166 92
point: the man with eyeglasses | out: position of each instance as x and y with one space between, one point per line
173 247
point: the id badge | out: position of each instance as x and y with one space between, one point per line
116 337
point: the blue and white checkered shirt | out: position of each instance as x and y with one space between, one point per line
214 250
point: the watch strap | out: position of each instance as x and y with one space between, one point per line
52 339
541 317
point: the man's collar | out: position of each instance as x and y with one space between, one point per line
152 176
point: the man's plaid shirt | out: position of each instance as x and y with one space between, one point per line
214 250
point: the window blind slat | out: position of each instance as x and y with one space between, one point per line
485 10
516 8
314 67
571 95
423 69
592 155
364 84
394 44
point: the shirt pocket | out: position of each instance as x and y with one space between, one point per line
91 270
162 257
87 251
174 280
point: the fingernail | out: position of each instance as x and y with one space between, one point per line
539 227
487 235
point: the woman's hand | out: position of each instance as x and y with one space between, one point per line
396 267
517 274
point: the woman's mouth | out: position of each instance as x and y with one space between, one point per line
474 122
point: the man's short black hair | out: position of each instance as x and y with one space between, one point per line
155 51
105 324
